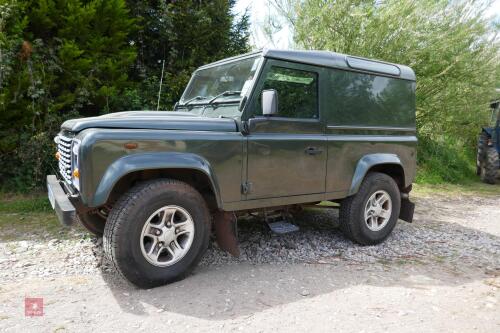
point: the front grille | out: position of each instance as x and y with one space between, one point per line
64 149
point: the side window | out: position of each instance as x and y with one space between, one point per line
297 92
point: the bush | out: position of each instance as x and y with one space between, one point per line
63 59
445 160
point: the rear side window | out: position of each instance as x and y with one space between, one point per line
359 99
297 91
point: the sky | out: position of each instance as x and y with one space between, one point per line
258 10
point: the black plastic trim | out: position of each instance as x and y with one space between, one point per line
63 207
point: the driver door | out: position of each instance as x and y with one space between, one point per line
287 152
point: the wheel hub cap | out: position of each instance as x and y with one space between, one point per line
167 236
378 210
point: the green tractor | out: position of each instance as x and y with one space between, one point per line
488 147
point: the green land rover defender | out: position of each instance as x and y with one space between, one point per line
266 132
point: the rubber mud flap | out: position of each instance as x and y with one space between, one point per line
225 232
407 210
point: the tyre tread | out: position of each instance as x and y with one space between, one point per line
116 220
352 204
490 165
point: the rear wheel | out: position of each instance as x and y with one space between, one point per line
489 166
481 150
157 232
369 216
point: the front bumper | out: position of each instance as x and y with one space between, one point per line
60 202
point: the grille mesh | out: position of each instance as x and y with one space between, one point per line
64 149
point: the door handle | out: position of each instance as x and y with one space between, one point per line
313 151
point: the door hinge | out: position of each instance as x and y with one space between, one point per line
246 187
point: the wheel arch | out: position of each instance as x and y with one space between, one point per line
389 164
128 170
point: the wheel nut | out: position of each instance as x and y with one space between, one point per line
157 232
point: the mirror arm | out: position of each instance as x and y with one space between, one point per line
245 130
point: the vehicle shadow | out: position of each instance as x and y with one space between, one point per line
317 260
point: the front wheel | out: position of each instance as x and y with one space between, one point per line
157 232
369 216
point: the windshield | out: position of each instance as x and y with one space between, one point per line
228 81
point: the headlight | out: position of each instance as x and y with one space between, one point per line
75 172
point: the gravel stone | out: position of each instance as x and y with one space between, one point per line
304 292
439 234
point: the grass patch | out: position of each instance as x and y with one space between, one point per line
23 215
19 226
468 188
17 203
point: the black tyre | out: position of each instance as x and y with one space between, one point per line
157 232
481 150
369 216
489 167
94 223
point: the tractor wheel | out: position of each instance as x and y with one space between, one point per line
489 166
481 149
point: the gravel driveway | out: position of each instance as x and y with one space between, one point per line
440 272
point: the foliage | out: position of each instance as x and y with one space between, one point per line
453 49
62 59
444 160
186 34
68 59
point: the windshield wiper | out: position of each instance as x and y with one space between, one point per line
225 93
196 98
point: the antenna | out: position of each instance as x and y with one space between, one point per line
161 82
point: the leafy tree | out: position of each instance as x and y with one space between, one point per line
185 34
63 58
453 49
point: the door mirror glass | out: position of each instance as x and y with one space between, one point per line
269 102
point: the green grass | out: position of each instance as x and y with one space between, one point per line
28 215
468 188
18 203
21 226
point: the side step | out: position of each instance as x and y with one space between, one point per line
279 222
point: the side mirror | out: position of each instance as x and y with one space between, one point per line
269 102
